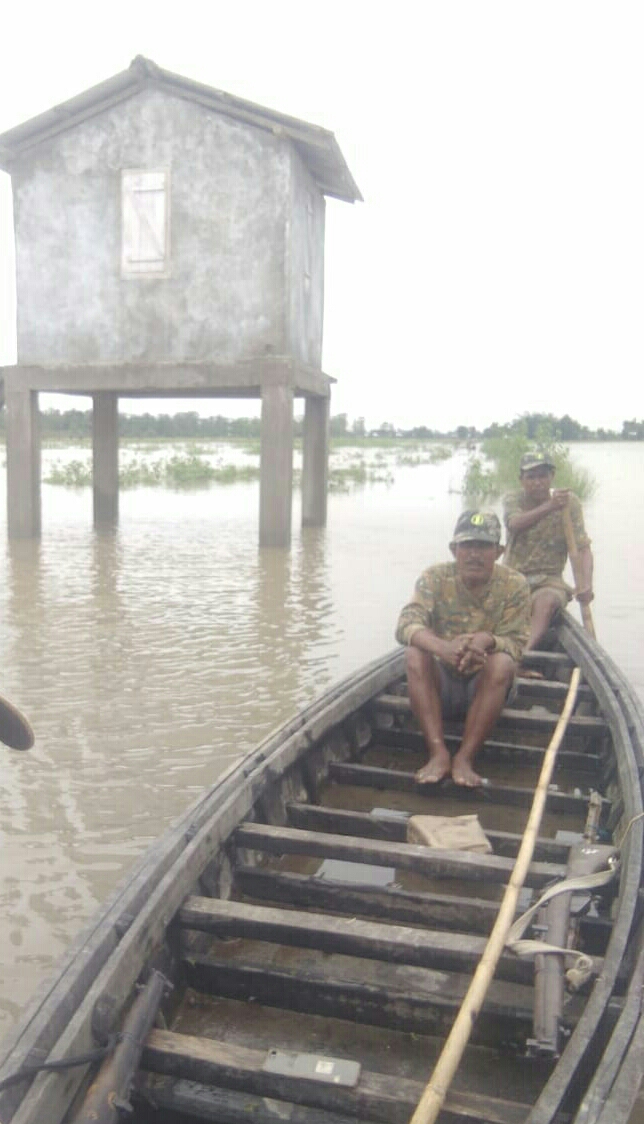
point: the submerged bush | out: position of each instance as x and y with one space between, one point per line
74 474
494 468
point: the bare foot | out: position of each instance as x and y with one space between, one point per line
530 673
463 773
436 769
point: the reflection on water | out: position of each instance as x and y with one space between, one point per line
150 658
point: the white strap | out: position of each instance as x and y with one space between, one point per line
584 964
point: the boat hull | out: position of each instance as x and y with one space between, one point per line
316 959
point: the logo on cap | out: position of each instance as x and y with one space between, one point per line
477 526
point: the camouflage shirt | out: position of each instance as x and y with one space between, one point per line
443 604
541 550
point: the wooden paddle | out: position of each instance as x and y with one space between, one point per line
573 554
15 730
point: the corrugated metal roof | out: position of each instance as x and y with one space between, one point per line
318 147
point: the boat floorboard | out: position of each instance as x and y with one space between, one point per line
222 1042
420 1000
402 856
393 904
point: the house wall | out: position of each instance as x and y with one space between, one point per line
231 293
305 269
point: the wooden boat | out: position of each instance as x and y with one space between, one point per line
283 953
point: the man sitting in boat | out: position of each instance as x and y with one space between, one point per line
537 547
465 627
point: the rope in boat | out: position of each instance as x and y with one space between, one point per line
634 819
67 1063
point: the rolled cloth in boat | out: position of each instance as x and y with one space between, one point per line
449 833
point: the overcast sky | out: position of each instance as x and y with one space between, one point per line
496 264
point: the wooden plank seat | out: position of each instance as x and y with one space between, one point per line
392 903
192 1100
549 659
389 903
394 944
376 1097
551 691
370 992
392 825
494 749
405 856
347 772
510 717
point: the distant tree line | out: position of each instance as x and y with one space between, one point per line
530 425
74 425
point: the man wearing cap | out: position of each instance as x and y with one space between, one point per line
537 542
465 629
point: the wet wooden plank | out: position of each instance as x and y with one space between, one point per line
542 690
537 721
371 825
405 856
194 1100
551 659
395 944
238 1106
446 911
390 903
372 776
568 759
399 997
549 691
377 1096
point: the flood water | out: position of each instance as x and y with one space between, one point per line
151 658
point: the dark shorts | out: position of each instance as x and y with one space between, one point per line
457 691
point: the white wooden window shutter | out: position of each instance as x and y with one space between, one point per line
145 223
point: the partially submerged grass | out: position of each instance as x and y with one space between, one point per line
191 471
357 475
494 469
193 467
180 471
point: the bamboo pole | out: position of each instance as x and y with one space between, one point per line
573 554
436 1089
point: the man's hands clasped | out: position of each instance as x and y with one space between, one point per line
468 653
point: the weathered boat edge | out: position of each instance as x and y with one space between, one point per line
46 1028
614 1088
618 702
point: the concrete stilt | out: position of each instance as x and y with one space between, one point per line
105 458
276 466
23 464
315 461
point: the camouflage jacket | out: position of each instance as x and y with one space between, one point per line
443 604
541 550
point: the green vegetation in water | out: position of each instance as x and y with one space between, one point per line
186 470
75 474
357 475
494 469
